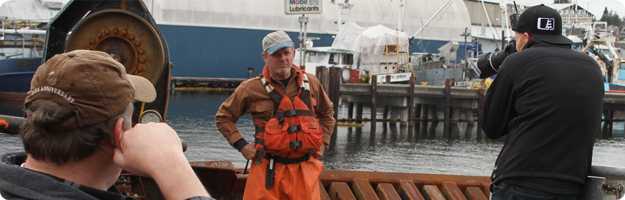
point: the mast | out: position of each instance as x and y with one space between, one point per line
343 10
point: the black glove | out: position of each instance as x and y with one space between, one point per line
489 63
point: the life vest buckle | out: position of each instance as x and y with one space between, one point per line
296 144
291 113
270 176
293 129
280 116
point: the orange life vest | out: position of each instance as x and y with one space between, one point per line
293 131
4 123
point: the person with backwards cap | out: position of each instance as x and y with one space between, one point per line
78 135
547 101
293 119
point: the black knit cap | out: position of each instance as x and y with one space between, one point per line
544 23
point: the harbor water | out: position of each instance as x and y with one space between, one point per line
393 150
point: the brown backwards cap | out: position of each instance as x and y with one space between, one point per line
92 82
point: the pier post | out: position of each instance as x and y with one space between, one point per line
350 112
323 74
374 92
334 85
425 120
350 116
447 109
468 115
385 120
435 120
608 114
480 102
411 103
359 113
417 120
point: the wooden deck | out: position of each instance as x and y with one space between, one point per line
224 182
361 185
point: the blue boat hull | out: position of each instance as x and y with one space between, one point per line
15 76
228 52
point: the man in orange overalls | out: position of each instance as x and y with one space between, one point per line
294 119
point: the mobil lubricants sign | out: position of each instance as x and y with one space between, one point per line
300 7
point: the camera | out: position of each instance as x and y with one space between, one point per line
489 63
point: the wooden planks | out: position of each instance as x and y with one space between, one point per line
433 192
324 193
452 191
341 191
363 190
386 191
475 193
409 191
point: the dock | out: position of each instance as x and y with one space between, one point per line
422 109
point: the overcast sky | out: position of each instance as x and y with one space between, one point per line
595 7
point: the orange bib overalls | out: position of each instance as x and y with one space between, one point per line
286 166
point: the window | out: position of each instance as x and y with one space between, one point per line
348 59
391 49
333 58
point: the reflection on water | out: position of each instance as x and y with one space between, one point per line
192 115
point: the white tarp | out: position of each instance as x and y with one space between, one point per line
347 38
372 44
30 10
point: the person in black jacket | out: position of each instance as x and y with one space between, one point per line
547 101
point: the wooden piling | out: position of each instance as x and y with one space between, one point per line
425 120
334 86
323 74
608 123
359 112
350 116
470 126
480 101
385 118
447 109
434 114
417 120
411 103
374 92
350 112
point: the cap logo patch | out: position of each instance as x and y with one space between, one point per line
54 91
546 24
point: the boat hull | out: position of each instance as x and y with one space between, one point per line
15 76
205 51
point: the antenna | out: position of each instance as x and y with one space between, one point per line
516 8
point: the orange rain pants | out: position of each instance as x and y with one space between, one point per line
298 181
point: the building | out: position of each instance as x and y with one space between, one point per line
573 15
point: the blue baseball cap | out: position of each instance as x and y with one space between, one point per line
275 41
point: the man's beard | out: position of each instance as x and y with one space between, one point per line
281 73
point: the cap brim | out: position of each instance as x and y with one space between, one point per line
279 46
552 39
144 90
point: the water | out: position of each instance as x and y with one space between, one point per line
192 115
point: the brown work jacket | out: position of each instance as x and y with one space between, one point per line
250 96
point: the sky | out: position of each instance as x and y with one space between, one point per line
594 6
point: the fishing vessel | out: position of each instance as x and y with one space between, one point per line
221 39
112 26
22 40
